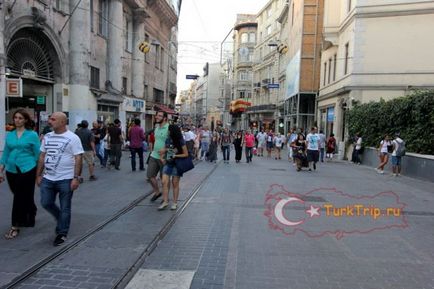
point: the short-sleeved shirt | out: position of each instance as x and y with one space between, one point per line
60 151
397 142
384 145
86 137
322 140
160 134
137 136
171 150
278 141
226 139
313 141
261 137
205 136
115 134
97 131
250 140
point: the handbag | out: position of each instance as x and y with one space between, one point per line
184 164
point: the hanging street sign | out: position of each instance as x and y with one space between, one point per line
190 76
273 85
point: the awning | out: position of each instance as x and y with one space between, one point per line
239 105
161 107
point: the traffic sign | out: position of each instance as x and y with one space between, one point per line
190 76
273 85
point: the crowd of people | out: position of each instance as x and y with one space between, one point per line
53 160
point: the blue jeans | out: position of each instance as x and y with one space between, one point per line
106 157
98 153
49 190
204 149
321 153
135 151
226 152
249 154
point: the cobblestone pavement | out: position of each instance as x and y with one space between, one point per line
225 238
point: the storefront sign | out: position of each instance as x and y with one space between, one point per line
14 87
133 104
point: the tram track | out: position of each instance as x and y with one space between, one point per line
129 274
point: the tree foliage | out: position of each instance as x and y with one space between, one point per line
412 116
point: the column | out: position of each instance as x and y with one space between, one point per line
80 105
115 44
138 63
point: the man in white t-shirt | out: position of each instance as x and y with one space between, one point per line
59 168
278 143
397 143
313 147
261 137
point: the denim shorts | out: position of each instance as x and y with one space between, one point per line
396 161
171 170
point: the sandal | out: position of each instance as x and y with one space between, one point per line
13 233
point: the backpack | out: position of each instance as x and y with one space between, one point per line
400 151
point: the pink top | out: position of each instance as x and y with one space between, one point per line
250 140
136 137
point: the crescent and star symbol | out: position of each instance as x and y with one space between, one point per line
278 211
313 211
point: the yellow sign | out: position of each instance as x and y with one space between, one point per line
144 47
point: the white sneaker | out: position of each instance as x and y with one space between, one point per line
380 172
394 175
174 206
163 206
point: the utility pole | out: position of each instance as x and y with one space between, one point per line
2 79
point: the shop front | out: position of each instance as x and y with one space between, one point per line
134 108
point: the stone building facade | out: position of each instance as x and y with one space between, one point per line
262 113
82 57
244 39
372 50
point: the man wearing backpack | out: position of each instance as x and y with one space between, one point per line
397 154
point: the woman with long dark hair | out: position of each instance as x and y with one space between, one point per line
175 148
384 149
19 160
299 146
238 144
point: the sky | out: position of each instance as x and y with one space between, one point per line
202 27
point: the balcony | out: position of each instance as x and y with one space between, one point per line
261 108
244 64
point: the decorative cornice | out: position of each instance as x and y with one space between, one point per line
162 8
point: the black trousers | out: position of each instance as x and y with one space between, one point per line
22 186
